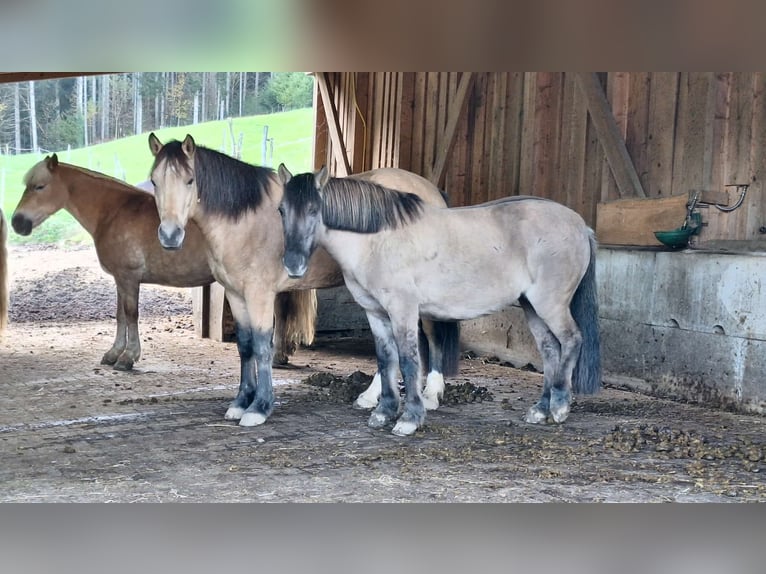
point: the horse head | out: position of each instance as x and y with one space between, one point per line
44 195
175 187
301 212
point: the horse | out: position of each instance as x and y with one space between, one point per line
123 223
402 258
235 206
3 274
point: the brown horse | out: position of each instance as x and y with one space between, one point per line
235 205
123 222
3 274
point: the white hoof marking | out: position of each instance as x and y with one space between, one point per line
252 420
560 415
234 413
404 428
369 398
434 390
535 416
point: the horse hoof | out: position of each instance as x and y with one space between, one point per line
404 428
535 416
234 413
108 360
364 403
377 421
252 419
430 403
123 366
560 415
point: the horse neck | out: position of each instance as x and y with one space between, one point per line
91 200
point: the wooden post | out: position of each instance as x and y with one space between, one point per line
609 135
331 111
455 112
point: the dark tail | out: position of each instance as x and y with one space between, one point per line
445 337
586 378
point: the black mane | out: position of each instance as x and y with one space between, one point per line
226 186
360 206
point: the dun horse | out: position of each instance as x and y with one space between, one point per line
123 223
402 258
3 274
235 206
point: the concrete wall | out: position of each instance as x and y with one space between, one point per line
688 325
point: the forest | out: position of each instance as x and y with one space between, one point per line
51 115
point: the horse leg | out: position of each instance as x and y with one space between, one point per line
560 322
550 351
246 359
261 311
388 364
434 389
132 351
120 337
414 412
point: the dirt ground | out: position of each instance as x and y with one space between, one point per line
74 430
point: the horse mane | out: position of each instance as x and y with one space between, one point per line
365 207
226 186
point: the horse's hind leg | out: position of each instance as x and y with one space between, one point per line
388 365
132 351
559 321
120 337
414 412
550 351
283 346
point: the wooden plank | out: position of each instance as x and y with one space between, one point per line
634 221
662 118
201 311
636 132
432 122
455 112
757 212
321 133
618 96
476 113
406 107
740 142
218 309
609 135
418 124
361 85
527 171
573 142
711 197
331 113
497 158
512 161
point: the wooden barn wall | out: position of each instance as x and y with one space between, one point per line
531 133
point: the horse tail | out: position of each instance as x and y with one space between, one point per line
299 310
447 334
445 337
3 274
586 378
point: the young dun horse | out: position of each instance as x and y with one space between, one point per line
3 274
123 223
235 205
401 258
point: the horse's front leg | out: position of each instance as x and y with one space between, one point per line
388 363
246 358
405 328
132 351
261 312
120 337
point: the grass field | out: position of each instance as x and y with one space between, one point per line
130 159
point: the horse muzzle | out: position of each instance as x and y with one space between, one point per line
295 264
21 224
171 236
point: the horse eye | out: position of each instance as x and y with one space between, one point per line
191 181
281 211
153 184
39 187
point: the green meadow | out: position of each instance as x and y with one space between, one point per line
290 140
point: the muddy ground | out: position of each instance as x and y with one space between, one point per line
74 430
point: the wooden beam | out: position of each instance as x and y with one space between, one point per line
444 147
331 112
609 135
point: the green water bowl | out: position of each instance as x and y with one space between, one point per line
675 238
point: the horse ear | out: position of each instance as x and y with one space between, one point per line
52 161
188 146
284 174
154 144
321 177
